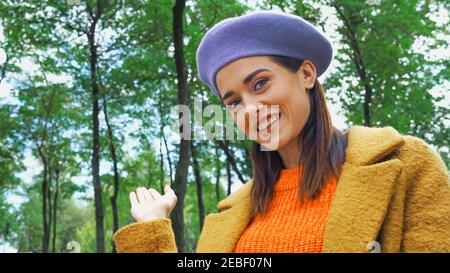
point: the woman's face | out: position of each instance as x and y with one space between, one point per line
259 92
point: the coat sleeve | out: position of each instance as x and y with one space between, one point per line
427 203
155 236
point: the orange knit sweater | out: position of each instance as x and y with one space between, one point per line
288 225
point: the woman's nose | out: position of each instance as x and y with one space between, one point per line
249 100
250 109
253 110
251 104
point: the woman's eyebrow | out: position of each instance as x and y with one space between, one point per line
253 74
246 80
227 95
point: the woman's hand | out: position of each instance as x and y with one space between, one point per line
150 204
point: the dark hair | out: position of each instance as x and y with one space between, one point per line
322 150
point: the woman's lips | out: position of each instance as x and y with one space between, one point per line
269 124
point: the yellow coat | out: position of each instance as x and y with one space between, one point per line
393 195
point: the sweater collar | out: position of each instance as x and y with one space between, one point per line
288 179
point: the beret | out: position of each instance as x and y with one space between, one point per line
257 34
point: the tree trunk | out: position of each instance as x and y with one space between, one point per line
181 171
218 172
230 158
229 178
49 201
55 207
150 166
112 150
169 161
44 191
359 63
198 182
161 161
161 156
95 164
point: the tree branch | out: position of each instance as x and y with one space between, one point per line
230 159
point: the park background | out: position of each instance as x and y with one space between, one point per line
87 89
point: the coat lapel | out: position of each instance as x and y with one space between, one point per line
359 205
364 190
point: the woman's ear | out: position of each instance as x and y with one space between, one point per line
308 74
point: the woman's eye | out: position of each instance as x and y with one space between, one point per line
232 104
260 83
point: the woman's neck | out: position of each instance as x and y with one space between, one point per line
290 153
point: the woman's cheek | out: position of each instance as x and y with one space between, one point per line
239 120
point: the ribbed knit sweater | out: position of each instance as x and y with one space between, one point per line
288 225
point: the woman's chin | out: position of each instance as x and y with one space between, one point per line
271 144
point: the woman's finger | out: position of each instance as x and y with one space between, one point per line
170 195
155 194
133 199
148 196
168 190
141 195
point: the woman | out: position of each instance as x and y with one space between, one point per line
314 189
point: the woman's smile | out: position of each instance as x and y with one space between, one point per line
270 124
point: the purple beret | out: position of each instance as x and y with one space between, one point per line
260 33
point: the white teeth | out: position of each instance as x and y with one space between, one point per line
268 122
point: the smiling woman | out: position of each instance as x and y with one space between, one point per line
314 188
301 126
